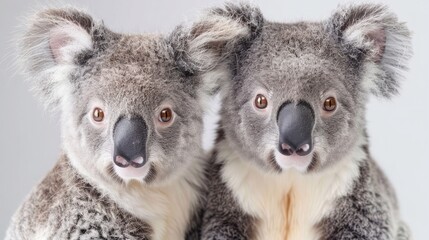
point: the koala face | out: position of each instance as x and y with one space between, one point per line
151 116
131 105
281 98
297 99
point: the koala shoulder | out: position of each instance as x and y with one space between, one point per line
371 208
64 206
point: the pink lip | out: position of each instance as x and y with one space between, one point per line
300 163
132 172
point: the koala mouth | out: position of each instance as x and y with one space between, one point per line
300 163
127 171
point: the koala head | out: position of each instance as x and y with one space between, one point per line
131 105
298 91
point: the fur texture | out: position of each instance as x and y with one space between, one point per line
85 212
341 193
76 64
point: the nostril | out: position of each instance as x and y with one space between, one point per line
137 162
305 147
287 149
121 162
304 150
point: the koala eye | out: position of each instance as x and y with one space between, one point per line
165 115
330 104
98 114
261 101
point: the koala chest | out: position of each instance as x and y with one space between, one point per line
287 206
291 215
167 211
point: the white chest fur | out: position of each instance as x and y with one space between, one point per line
288 205
167 209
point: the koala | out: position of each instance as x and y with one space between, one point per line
131 115
291 159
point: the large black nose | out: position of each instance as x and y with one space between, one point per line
296 123
129 138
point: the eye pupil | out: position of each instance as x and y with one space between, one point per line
165 115
330 104
98 115
261 101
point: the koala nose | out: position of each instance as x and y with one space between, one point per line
296 123
129 138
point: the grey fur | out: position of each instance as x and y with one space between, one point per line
364 213
223 218
361 49
85 212
74 64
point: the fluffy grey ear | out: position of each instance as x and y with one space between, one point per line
372 36
52 45
211 39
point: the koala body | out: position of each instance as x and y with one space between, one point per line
291 160
131 120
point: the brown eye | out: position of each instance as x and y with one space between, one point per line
261 101
330 104
98 115
165 115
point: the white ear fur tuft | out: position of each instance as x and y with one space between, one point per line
48 50
371 34
212 38
66 41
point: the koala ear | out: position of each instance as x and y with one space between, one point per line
210 40
373 37
50 47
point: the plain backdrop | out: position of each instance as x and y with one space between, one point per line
398 129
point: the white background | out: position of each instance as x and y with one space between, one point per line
398 129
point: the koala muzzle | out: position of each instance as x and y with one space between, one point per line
129 138
296 123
